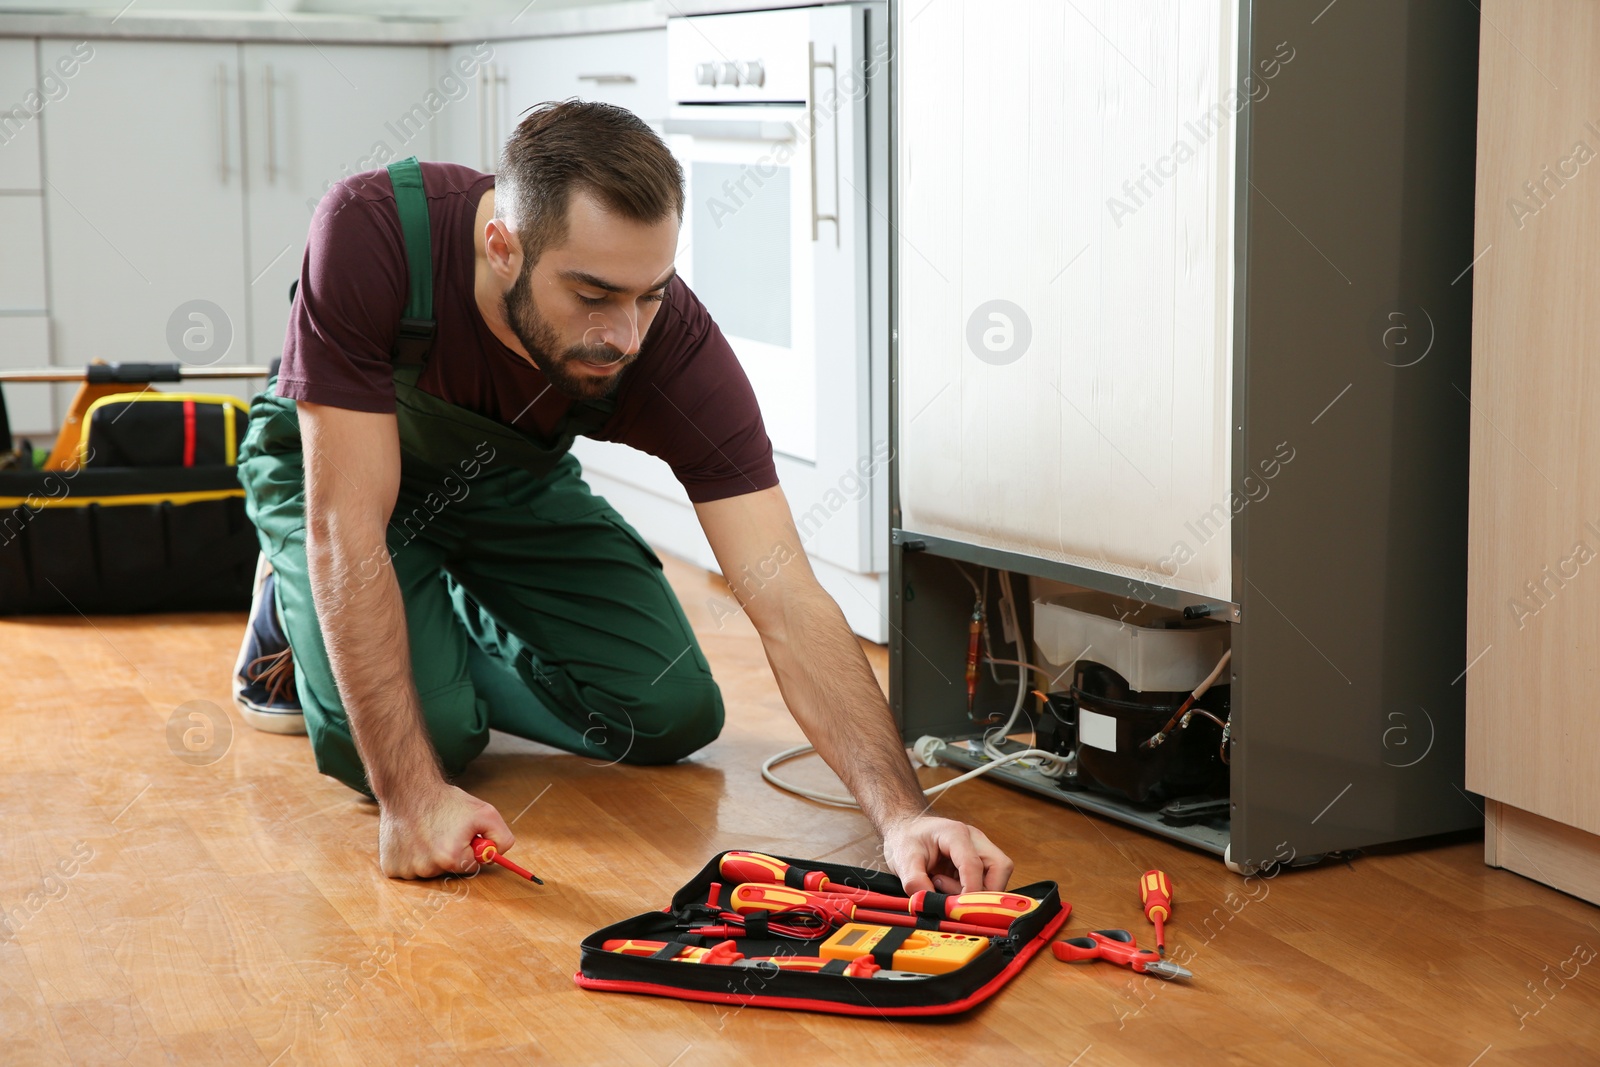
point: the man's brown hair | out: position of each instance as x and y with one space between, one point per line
602 149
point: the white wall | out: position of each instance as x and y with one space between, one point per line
1105 442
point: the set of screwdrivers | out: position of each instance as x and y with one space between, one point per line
767 884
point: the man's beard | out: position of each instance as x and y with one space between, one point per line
542 341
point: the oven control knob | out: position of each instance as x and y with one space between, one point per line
705 73
727 74
754 73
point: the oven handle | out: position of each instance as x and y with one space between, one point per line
811 142
733 129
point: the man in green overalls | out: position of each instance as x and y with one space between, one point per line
438 566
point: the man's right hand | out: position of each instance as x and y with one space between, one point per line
431 832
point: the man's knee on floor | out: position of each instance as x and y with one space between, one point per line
674 720
458 728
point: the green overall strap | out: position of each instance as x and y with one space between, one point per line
415 340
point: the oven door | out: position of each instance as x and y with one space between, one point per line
746 252
774 243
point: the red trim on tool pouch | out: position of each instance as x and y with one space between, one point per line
188 433
984 992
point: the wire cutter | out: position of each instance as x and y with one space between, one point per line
1117 946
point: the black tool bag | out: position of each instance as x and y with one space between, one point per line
155 429
941 994
123 539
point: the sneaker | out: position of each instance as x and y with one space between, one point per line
263 677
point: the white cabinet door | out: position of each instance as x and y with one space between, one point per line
144 200
22 101
508 77
464 135
315 115
21 254
25 343
626 69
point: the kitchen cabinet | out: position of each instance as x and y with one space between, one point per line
145 201
313 116
183 175
1533 588
628 69
24 328
185 249
22 266
25 342
22 101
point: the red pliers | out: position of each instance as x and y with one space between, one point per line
1117 946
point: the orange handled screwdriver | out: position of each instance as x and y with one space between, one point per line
486 851
1155 893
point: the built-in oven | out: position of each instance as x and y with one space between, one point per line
769 117
778 119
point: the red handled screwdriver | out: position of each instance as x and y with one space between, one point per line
1155 893
486 851
992 909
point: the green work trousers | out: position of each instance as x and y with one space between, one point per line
531 607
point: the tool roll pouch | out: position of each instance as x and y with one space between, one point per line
150 517
768 986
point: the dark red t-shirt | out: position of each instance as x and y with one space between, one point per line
686 399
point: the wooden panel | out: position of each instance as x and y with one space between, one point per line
1066 232
1533 740
1543 850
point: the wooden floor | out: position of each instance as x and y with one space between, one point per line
233 912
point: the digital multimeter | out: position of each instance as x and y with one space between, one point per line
923 951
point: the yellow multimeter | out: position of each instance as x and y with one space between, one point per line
923 951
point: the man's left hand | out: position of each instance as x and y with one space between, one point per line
945 856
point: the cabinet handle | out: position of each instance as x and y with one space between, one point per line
222 121
500 82
608 79
487 114
272 140
811 141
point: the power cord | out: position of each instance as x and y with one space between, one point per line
927 748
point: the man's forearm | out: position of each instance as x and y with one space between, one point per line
829 686
363 622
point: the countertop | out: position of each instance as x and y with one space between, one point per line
301 27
